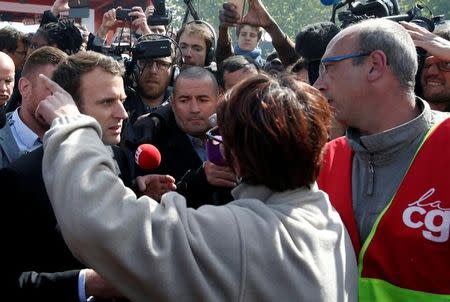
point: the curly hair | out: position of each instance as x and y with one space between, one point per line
64 34
9 38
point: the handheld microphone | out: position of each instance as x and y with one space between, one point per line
329 2
147 157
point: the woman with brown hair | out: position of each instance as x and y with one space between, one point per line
279 240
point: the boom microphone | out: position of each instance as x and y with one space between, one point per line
147 157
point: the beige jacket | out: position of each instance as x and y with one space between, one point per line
265 246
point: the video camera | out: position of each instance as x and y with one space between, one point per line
152 48
148 49
389 9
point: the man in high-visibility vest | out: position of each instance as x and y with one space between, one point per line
388 176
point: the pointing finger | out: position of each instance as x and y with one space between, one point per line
52 86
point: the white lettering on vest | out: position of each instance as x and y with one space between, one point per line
436 220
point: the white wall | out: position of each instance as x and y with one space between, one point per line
20 26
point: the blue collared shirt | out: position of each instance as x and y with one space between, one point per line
199 147
25 138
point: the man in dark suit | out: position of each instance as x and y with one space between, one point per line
29 219
178 131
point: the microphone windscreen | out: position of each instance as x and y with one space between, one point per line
147 157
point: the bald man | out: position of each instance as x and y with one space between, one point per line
7 71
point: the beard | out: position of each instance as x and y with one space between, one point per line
152 92
437 97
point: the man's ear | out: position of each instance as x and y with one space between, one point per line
25 87
378 66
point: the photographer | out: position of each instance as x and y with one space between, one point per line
137 22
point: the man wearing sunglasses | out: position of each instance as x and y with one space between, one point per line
388 176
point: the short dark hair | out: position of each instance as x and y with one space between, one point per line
199 28
196 72
259 29
10 37
311 43
64 34
42 56
69 72
300 64
274 130
232 64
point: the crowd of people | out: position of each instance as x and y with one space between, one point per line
331 183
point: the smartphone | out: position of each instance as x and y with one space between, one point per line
240 5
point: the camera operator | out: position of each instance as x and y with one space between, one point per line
152 77
435 73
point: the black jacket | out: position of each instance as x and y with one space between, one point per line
178 158
38 265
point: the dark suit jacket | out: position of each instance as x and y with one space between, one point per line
39 265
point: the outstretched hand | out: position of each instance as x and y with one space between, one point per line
139 20
257 15
58 103
221 176
432 43
59 6
155 185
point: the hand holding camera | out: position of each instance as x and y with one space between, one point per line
232 13
125 14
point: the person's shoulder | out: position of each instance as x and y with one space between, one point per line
439 116
7 140
28 164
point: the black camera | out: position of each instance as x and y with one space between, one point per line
148 49
160 16
389 9
122 14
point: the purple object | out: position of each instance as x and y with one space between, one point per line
214 153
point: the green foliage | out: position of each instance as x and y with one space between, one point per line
291 15
436 7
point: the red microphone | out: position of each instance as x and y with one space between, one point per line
147 157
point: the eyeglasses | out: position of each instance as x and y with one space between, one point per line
160 64
213 136
441 65
323 67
